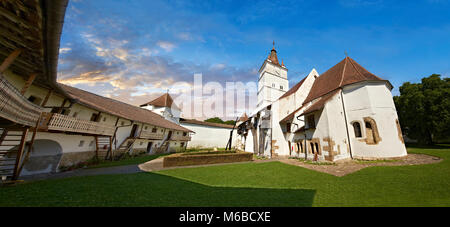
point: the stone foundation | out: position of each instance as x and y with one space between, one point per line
73 158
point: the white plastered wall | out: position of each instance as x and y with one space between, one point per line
373 99
208 136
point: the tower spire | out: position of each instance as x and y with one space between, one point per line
273 55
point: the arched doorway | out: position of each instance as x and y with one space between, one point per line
44 158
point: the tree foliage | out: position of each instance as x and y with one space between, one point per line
220 121
423 109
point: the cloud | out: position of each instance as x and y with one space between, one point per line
64 50
167 46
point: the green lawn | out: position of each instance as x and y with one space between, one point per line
249 184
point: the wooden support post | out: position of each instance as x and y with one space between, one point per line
62 106
96 147
9 60
28 83
110 149
19 154
49 93
30 145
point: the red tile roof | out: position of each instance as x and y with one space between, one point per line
291 115
320 103
162 101
120 109
344 73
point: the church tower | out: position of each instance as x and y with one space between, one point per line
273 82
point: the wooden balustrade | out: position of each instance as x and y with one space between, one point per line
65 123
180 138
15 107
151 135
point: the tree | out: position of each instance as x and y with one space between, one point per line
423 109
220 121
214 120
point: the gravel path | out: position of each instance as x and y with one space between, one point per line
84 172
346 167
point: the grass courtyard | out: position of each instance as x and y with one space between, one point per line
247 184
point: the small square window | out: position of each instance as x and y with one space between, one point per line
104 119
91 144
81 143
281 87
141 143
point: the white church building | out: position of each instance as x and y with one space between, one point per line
345 113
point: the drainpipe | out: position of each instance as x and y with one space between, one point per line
346 124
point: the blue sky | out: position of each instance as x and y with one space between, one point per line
135 50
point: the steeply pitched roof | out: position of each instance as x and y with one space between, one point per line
273 57
319 104
162 101
197 122
346 72
120 109
293 89
291 115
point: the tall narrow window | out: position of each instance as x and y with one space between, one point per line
372 135
357 129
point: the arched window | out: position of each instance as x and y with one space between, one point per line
317 148
312 147
357 129
372 135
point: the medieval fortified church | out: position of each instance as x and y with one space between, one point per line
347 112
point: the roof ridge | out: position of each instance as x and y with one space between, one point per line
343 71
115 100
356 69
